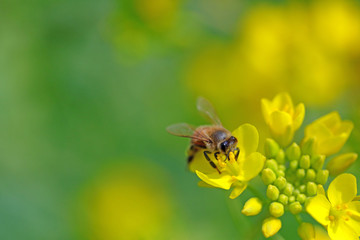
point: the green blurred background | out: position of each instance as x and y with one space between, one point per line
88 87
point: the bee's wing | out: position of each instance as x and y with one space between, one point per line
185 130
206 108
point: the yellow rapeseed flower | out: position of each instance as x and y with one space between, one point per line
329 132
234 173
340 163
282 117
271 226
338 211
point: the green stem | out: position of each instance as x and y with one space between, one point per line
256 193
298 218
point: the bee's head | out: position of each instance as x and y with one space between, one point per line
228 145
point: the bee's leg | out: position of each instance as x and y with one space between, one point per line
210 161
216 155
237 153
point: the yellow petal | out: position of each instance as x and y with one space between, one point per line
321 234
252 166
252 207
271 226
266 109
318 130
321 190
342 189
279 121
319 208
345 127
238 189
222 180
200 163
339 230
353 213
248 139
283 102
330 120
340 163
331 145
299 115
306 231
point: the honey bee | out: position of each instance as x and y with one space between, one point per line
214 139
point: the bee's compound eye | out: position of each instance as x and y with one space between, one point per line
224 145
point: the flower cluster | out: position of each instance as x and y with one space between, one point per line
294 173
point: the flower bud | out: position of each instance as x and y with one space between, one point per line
305 161
294 164
317 162
280 183
280 157
276 209
291 199
272 164
293 152
288 190
268 176
300 173
282 167
252 207
306 231
311 189
272 192
308 146
302 188
271 148
271 226
310 174
280 173
283 199
295 208
322 176
340 163
296 192
301 198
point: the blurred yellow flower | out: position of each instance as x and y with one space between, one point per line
307 231
271 226
282 118
338 211
252 207
234 173
129 203
329 132
340 163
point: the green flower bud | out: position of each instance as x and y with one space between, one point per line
310 174
308 146
276 209
293 152
282 167
284 199
296 192
280 173
300 173
301 198
272 164
305 161
272 192
288 190
340 163
322 176
295 208
302 188
317 162
268 176
271 148
311 189
294 164
297 183
291 199
280 156
280 183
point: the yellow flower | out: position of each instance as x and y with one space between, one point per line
330 133
282 118
338 211
252 207
271 226
307 231
340 163
234 173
